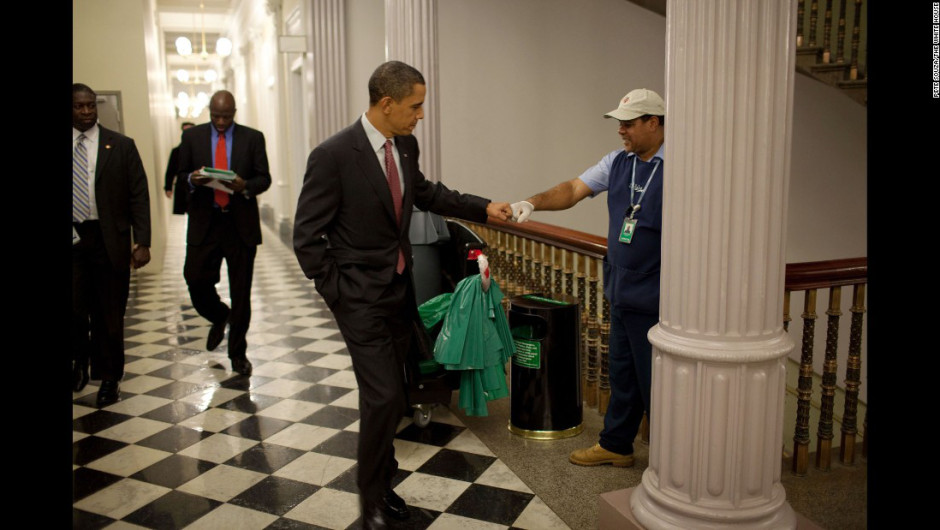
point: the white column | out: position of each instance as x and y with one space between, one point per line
325 68
411 37
719 350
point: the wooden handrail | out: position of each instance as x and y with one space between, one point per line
822 274
799 276
588 244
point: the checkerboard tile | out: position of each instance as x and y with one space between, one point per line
194 445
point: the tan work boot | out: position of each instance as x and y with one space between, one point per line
597 455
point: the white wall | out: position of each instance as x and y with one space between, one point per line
365 51
525 85
119 62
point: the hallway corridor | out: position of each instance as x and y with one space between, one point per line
194 445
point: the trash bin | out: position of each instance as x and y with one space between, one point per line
428 231
545 376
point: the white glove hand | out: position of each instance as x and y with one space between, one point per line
521 211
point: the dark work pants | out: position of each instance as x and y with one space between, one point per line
99 299
378 337
631 376
202 270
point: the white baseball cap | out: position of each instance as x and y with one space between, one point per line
636 103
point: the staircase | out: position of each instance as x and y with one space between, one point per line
822 40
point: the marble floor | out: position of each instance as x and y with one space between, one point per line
194 445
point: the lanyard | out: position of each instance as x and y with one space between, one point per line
635 207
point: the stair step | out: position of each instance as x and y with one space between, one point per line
807 56
856 89
831 73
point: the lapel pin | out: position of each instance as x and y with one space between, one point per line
107 146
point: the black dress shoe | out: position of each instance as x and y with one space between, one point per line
372 519
242 366
79 377
109 393
216 334
394 505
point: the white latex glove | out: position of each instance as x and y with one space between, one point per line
521 211
484 264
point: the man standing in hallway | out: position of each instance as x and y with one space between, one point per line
633 178
223 221
351 237
174 184
110 206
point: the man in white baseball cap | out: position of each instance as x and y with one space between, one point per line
633 176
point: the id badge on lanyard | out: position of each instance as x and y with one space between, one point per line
629 223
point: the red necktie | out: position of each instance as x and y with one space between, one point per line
395 187
221 162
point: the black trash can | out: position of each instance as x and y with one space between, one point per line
428 233
545 376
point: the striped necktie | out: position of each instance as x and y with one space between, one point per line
81 198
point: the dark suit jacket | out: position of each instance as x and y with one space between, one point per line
346 237
122 195
178 186
249 160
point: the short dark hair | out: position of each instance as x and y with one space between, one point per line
394 79
662 119
79 87
185 123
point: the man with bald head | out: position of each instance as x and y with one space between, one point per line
223 221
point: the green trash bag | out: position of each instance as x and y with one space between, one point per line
433 310
475 338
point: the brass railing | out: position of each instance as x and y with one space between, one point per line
809 278
537 257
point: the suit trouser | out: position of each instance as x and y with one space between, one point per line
99 300
631 377
202 271
378 337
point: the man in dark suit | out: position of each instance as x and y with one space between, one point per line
109 198
175 181
351 238
223 221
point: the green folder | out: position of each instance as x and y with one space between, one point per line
219 174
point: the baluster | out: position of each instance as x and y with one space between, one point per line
537 267
805 386
786 311
813 18
582 295
853 70
511 264
496 259
593 342
853 374
800 13
840 45
828 386
557 262
520 267
827 30
569 272
603 357
547 270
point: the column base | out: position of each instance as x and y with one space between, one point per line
614 513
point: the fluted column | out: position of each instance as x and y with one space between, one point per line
719 350
325 68
411 37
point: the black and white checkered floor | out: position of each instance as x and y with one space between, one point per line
194 445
